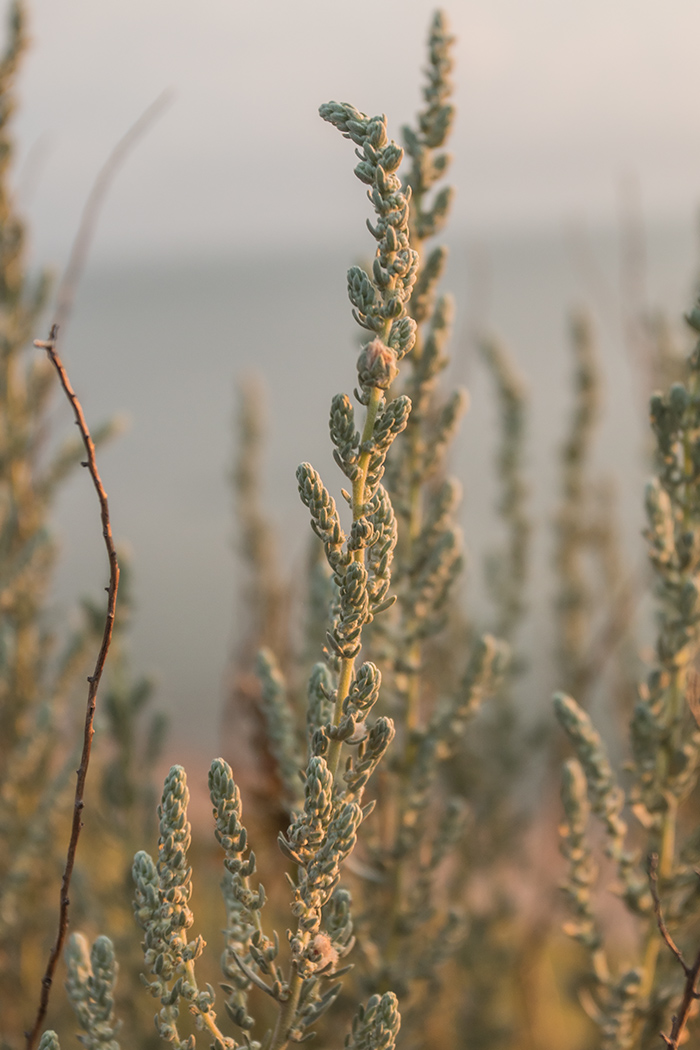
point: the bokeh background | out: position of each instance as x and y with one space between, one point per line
223 245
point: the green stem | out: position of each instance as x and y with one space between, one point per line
347 667
360 481
253 913
667 844
287 1013
359 486
414 525
207 1018
665 870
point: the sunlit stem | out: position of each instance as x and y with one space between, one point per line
359 486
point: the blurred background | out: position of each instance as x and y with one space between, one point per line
223 245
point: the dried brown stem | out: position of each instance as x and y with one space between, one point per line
93 680
65 296
680 1019
663 929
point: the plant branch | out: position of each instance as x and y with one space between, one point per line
288 1010
65 296
93 682
691 972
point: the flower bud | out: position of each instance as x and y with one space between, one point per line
376 365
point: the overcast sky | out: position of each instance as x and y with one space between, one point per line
557 102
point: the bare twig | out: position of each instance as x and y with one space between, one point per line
680 1019
653 870
68 285
93 680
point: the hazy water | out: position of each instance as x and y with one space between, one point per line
165 344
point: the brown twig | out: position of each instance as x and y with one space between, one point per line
93 680
68 284
680 1019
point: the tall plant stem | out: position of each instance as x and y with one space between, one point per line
674 715
93 684
675 706
413 713
667 847
359 486
360 481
